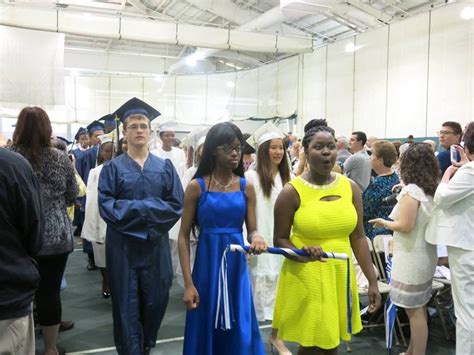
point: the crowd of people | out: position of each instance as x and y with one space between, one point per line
148 214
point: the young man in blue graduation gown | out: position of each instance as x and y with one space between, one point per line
84 164
88 159
82 140
140 199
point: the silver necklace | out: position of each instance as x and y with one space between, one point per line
223 187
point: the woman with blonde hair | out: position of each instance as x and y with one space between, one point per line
384 155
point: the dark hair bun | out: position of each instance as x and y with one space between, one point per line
315 123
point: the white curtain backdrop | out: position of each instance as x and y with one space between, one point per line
31 66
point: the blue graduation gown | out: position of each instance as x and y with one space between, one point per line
78 218
78 153
86 161
139 207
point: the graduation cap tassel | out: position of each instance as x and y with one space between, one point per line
117 135
72 146
223 305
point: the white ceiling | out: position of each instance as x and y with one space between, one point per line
324 24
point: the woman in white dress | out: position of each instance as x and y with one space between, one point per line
271 174
95 228
414 260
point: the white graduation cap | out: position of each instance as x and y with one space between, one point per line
169 126
106 138
201 141
264 134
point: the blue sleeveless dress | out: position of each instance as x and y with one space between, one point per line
221 216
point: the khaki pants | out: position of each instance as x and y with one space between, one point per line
17 336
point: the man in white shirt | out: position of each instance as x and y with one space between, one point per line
452 224
357 167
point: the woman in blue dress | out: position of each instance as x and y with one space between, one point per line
217 202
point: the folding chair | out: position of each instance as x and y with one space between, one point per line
384 289
379 251
440 288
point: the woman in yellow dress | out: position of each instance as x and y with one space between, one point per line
322 210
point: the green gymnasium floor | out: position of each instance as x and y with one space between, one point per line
92 333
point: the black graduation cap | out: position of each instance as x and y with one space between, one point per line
134 107
80 132
64 140
95 126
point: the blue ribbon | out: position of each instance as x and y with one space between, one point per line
223 311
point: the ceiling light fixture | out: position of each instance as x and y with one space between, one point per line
350 47
191 61
199 55
467 13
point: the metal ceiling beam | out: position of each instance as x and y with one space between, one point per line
182 51
270 18
197 14
379 15
169 6
89 4
160 5
109 45
237 15
139 6
183 9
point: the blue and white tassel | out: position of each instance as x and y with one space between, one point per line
223 316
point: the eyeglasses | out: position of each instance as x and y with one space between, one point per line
444 133
227 149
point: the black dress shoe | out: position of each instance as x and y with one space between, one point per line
91 265
66 325
106 294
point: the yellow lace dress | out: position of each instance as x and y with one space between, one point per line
311 302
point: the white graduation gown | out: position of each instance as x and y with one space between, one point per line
94 228
264 269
